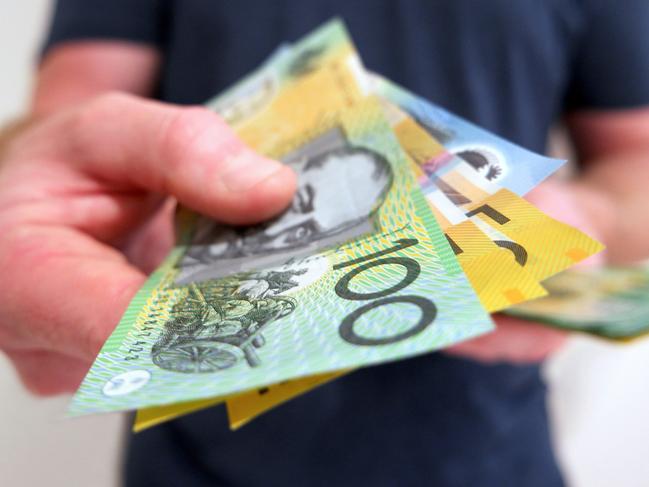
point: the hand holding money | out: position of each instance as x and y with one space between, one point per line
407 229
80 186
576 206
514 340
518 340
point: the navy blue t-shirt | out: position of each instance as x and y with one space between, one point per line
512 66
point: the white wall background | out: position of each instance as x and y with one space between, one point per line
599 392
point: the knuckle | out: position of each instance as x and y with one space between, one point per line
35 383
99 108
187 122
96 113
18 245
109 102
44 373
186 127
39 388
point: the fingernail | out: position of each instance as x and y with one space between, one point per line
247 169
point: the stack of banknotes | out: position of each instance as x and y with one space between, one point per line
408 229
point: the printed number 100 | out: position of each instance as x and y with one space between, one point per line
383 297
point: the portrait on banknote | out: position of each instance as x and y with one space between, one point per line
340 187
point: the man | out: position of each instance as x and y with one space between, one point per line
83 213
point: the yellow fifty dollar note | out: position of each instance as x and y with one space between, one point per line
153 416
551 246
496 275
246 407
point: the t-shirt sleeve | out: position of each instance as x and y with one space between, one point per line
611 66
140 21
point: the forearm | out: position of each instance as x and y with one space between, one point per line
613 193
613 146
78 71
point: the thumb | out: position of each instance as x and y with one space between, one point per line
189 153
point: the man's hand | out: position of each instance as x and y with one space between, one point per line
87 183
608 201
519 341
515 341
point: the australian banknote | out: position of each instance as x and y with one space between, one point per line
477 179
495 267
498 161
504 244
493 262
223 304
392 290
611 302
306 83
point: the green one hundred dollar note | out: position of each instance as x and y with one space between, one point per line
300 86
249 103
392 290
611 302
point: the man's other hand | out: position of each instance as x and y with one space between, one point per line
86 198
520 341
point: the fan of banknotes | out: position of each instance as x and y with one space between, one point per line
407 230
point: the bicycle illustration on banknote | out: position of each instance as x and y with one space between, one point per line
219 323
